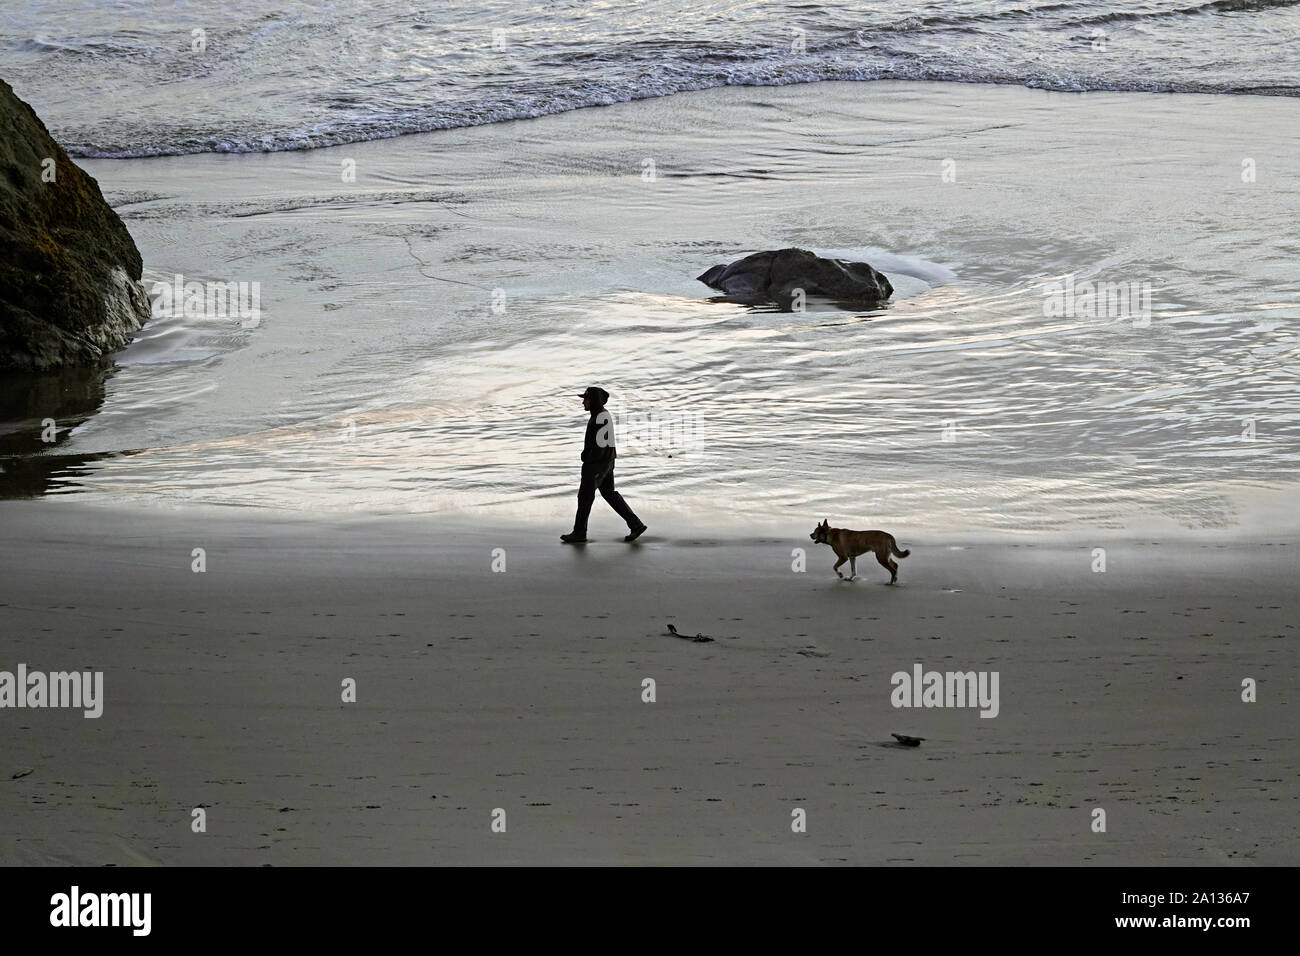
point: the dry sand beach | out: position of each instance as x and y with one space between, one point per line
522 690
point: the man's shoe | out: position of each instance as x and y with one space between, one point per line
635 533
573 538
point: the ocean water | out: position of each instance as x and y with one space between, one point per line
430 304
143 78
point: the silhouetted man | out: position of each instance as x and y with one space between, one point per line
598 470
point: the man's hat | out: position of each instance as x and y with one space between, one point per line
596 392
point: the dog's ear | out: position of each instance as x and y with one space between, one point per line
826 522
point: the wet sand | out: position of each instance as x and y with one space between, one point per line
522 690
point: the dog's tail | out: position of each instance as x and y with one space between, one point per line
893 546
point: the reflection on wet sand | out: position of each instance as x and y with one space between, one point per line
38 413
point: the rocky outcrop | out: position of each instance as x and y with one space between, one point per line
70 289
778 276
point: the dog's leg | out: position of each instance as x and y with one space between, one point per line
893 571
836 569
853 567
888 564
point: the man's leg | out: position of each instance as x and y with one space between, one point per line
616 502
586 495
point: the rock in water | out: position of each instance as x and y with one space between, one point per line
70 289
777 276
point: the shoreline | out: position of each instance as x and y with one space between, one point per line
671 525
83 157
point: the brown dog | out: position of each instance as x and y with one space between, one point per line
847 545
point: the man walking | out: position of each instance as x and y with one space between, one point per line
598 470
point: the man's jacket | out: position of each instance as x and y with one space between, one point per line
598 452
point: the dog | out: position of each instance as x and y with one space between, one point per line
847 545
